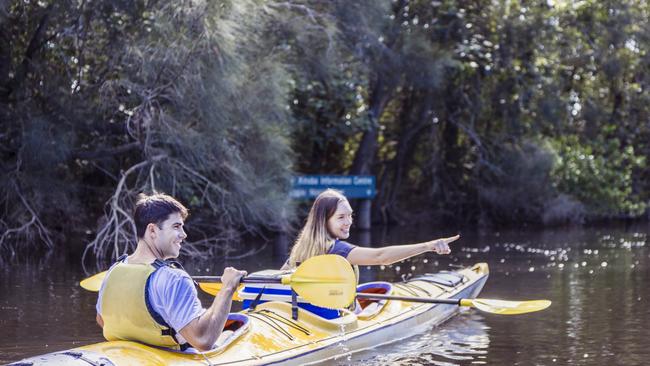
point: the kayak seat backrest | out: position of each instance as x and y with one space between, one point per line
368 308
236 325
449 279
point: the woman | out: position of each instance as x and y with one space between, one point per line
329 223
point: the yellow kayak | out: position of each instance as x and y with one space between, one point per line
269 334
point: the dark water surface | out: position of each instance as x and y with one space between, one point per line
597 279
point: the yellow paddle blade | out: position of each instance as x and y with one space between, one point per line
325 280
94 282
213 289
504 307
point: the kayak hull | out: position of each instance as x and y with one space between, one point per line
270 336
412 322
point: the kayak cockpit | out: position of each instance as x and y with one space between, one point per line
236 325
368 308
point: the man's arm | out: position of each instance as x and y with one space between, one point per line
203 331
100 321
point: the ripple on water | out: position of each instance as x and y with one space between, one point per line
461 341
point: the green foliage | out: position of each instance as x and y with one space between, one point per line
518 187
113 98
451 104
599 175
327 115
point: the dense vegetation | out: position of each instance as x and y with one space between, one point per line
475 112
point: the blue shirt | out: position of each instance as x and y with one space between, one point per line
172 295
342 248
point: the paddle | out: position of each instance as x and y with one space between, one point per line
333 288
501 307
94 282
336 288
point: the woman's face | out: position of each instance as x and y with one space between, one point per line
339 224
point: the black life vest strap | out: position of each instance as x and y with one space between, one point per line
167 330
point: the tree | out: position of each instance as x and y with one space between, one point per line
174 97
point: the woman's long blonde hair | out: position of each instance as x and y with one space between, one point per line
314 238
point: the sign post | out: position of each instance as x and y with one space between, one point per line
352 186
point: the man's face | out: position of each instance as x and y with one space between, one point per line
170 234
339 224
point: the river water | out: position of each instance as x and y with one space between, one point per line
597 279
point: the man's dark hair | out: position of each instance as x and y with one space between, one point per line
154 209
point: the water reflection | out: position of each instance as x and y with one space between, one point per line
596 278
461 341
43 310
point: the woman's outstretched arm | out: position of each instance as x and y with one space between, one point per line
395 253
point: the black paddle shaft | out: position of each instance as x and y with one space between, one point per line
247 279
407 298
360 295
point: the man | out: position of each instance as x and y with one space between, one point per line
148 300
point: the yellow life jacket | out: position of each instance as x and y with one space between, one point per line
126 310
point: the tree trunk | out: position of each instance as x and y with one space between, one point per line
364 157
414 119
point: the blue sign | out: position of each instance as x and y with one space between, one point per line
352 186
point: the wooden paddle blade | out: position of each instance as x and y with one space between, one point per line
94 282
504 307
213 289
325 280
